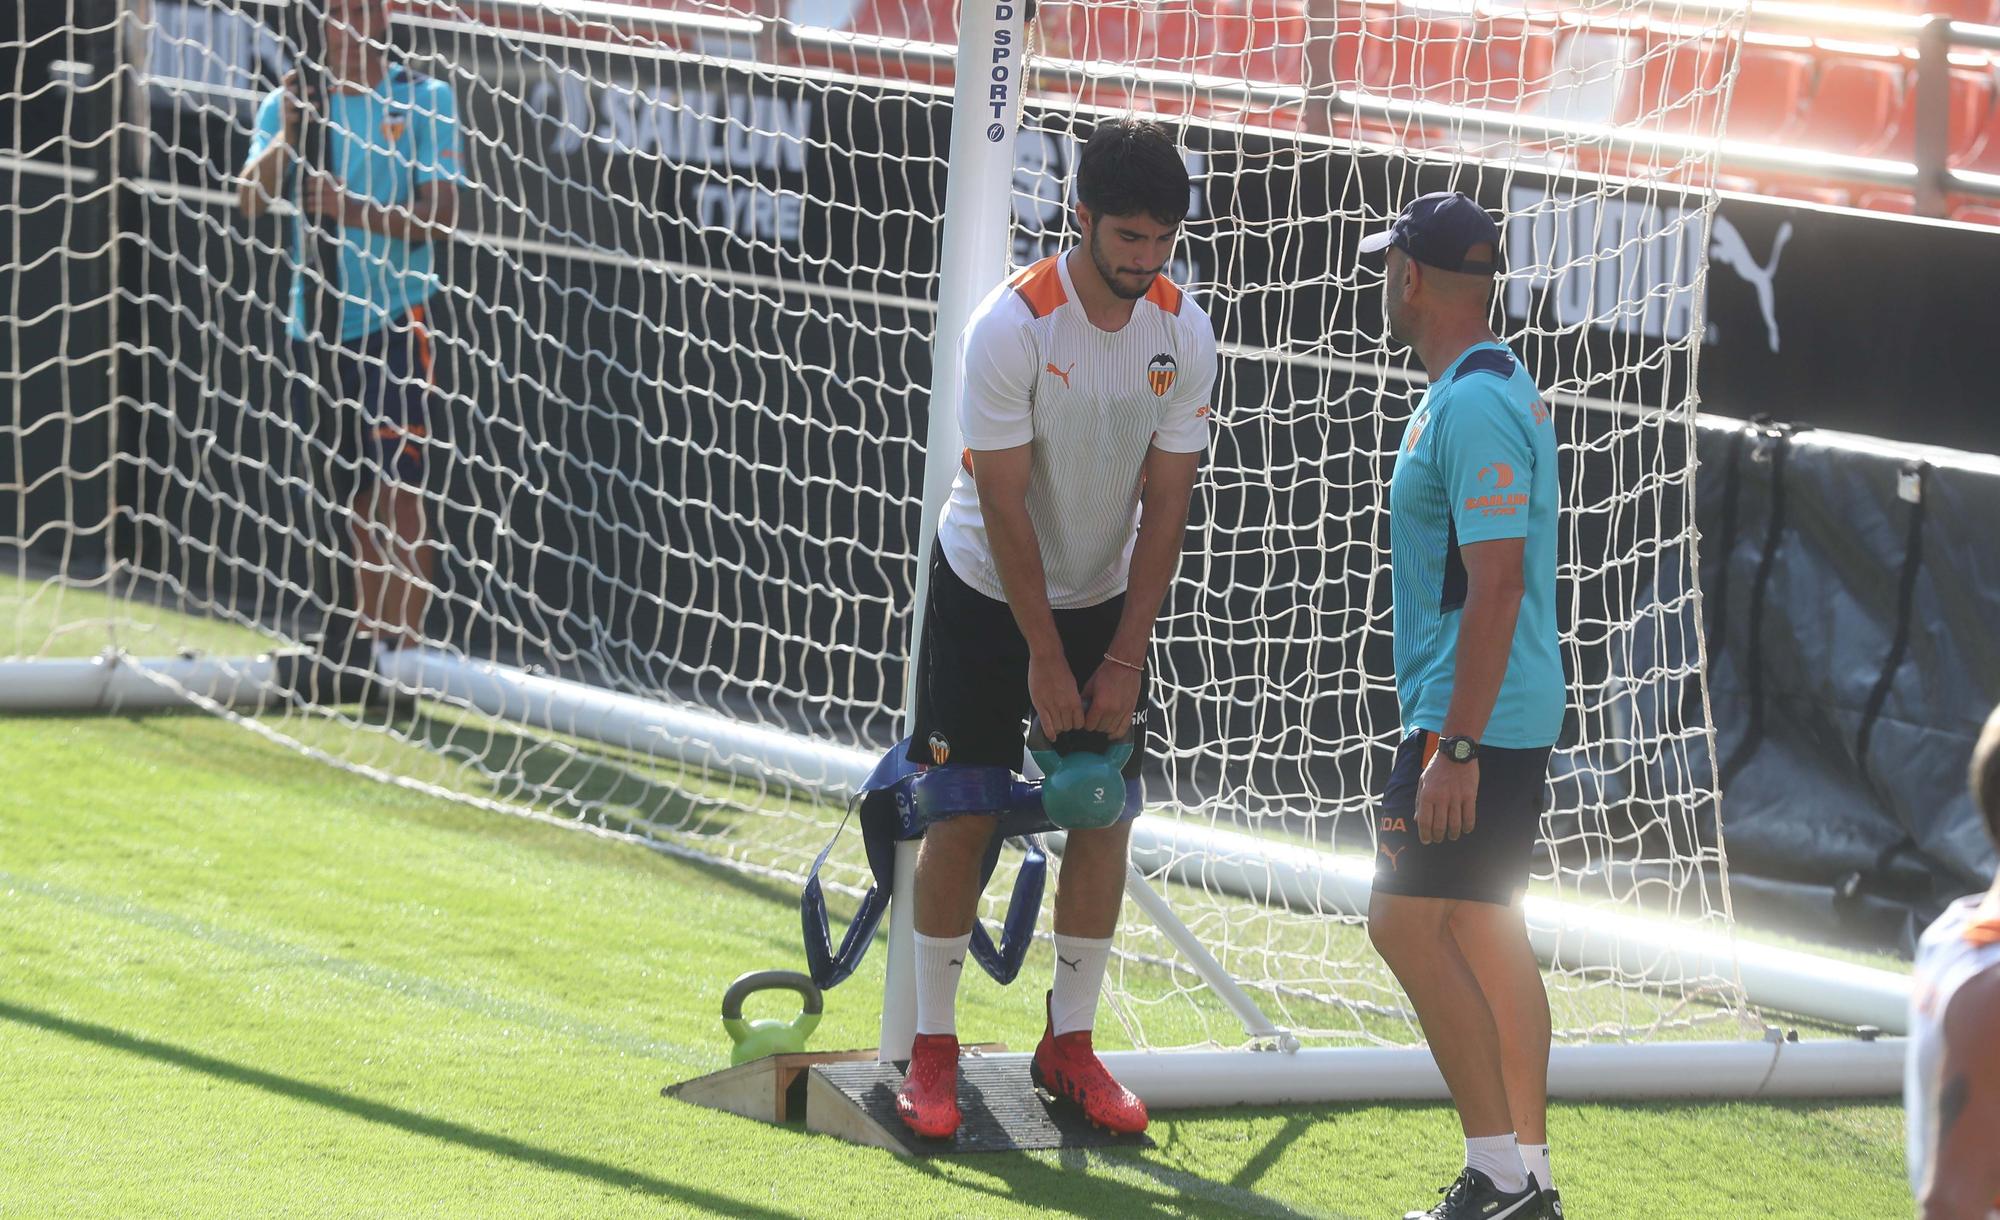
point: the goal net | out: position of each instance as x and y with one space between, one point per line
681 349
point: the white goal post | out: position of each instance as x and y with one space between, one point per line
688 460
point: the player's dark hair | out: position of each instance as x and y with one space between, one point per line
1131 166
1986 775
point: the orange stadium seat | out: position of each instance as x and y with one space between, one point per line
1855 106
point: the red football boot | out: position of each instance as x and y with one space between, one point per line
928 1100
1067 1069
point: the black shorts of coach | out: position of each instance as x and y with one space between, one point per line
972 674
365 405
1489 865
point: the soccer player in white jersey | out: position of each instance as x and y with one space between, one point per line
1084 413
1951 1086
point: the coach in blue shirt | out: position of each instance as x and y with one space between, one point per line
1472 539
391 191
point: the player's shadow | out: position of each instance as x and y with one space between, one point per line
1031 1181
392 1116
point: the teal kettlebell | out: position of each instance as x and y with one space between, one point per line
1084 783
756 1039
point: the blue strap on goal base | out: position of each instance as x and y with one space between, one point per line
898 801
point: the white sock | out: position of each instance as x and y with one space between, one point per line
1499 1158
1536 1158
939 961
1079 977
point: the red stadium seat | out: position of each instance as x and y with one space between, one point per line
1805 192
1414 55
1900 202
1979 12
1984 153
1201 36
1336 28
1090 29
917 20
1768 104
1508 63
1855 106
1678 86
1277 41
1977 214
1968 105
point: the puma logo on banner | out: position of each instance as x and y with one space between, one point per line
1726 246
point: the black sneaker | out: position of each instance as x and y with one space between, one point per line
1474 1197
1552 1205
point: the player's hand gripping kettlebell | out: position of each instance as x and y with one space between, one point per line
1084 786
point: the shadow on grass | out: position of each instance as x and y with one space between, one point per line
1067 1187
1275 1147
386 1115
521 769
593 786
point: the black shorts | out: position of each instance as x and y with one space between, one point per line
366 405
972 674
1489 865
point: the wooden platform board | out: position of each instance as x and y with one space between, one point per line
770 1090
773 1089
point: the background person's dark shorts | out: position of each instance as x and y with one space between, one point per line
972 674
1489 865
366 404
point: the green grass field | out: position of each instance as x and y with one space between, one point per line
237 981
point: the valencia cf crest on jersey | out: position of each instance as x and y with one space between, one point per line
1160 374
940 748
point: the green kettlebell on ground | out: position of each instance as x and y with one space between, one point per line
756 1039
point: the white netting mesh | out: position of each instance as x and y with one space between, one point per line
684 339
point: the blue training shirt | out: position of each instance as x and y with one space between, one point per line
386 143
1478 463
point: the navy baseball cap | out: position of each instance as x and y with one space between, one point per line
1437 230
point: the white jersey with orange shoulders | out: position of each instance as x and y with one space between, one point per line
1962 945
1092 403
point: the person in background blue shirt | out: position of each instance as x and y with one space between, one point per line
1472 540
391 191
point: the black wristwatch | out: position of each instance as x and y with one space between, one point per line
1458 749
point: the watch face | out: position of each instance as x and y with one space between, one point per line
1461 749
